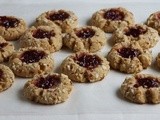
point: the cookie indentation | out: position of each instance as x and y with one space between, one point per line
60 15
41 34
148 82
128 52
135 31
88 61
8 22
85 33
114 14
2 45
32 56
48 82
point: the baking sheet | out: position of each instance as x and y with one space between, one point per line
95 98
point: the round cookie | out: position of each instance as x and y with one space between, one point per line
87 38
28 62
65 20
141 88
154 21
111 19
49 38
49 88
129 57
6 77
11 28
147 37
6 49
85 67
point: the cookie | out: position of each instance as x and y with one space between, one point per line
85 67
28 62
111 19
154 21
147 37
6 49
65 20
141 88
6 77
158 60
129 57
11 28
49 88
49 38
87 38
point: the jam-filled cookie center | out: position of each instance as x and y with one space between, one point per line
135 31
2 45
129 52
51 81
32 56
41 34
114 14
147 82
85 33
60 15
88 61
8 22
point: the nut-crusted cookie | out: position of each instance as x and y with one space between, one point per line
85 67
111 19
28 62
49 38
6 77
11 28
142 88
49 88
65 20
129 57
6 49
88 38
154 21
146 36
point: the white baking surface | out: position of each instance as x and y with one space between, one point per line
100 100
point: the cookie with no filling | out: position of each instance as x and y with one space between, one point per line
28 62
49 88
111 19
11 28
141 88
63 19
85 67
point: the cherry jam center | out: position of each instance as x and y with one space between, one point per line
135 31
32 56
48 82
129 52
60 15
114 14
88 61
8 22
85 33
2 45
158 15
41 34
147 82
